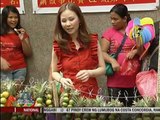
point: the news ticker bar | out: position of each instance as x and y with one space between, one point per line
82 110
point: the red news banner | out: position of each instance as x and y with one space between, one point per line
10 2
57 3
21 109
29 110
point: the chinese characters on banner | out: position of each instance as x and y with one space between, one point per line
17 3
51 6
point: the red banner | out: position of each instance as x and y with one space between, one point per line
7 109
28 110
21 109
57 3
17 3
52 6
10 2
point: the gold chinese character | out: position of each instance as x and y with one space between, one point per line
80 1
43 2
13 2
52 2
92 1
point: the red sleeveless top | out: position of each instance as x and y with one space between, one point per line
83 59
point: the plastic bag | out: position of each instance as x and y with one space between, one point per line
109 69
129 67
146 83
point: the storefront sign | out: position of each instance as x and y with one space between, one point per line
51 6
17 3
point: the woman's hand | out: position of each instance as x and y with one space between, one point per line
66 82
83 75
20 33
115 65
131 54
5 65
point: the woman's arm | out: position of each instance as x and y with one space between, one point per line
105 44
138 49
105 47
101 65
55 74
26 46
66 82
4 64
50 72
84 75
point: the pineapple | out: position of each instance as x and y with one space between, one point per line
48 96
69 97
9 92
38 92
9 86
157 104
115 103
99 102
145 102
80 102
89 102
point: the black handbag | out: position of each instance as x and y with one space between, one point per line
109 69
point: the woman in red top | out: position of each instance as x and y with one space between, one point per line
14 44
76 53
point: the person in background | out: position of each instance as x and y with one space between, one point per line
76 53
15 46
122 84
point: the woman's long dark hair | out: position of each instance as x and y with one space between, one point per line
122 11
61 36
5 12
